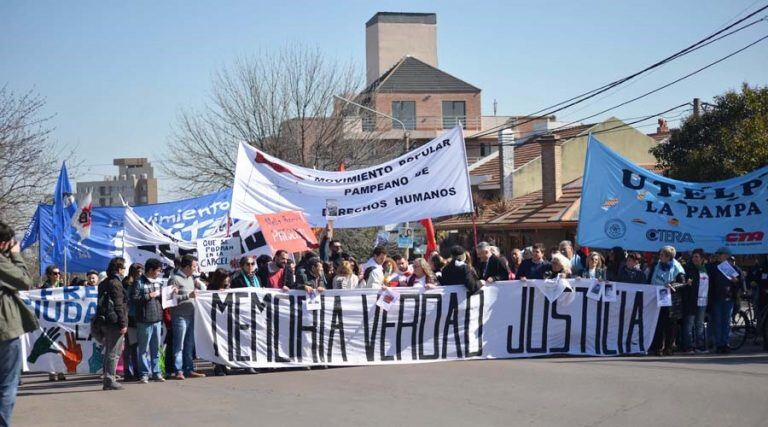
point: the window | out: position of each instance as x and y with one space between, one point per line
102 191
454 113
483 151
405 111
369 121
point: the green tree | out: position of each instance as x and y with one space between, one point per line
727 140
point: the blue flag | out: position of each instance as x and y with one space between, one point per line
64 207
625 205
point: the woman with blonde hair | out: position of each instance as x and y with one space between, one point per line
422 276
345 277
560 267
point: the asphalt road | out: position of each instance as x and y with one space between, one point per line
703 390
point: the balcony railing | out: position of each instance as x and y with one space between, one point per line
371 123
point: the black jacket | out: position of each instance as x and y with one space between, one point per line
453 274
690 294
630 275
113 288
238 280
720 287
308 279
493 268
148 309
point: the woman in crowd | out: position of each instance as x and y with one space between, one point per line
668 273
560 267
219 280
595 267
694 300
631 272
345 277
436 263
459 272
329 269
516 260
131 351
422 276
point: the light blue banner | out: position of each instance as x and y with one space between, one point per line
188 219
625 205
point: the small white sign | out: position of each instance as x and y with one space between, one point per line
217 253
609 292
595 291
312 302
727 269
169 297
388 299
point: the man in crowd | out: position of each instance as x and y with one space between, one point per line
404 269
314 279
566 248
114 310
373 273
92 278
489 266
15 319
535 267
52 277
723 291
515 261
246 277
149 316
279 273
183 318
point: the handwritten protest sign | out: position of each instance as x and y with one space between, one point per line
288 231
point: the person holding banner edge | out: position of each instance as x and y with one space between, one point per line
183 318
15 319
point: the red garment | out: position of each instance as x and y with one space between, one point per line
429 230
276 279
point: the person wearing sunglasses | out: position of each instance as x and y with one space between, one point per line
246 277
52 277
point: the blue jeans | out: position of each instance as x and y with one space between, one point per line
148 335
183 342
721 322
10 369
693 330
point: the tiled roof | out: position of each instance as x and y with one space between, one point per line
526 152
659 136
413 75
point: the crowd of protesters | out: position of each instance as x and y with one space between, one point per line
130 313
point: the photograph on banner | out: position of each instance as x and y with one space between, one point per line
288 231
429 181
388 299
331 209
626 205
595 290
664 296
609 292
169 297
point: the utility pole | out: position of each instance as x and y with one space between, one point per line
696 107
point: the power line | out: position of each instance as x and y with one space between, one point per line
594 92
711 64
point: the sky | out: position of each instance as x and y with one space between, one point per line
116 75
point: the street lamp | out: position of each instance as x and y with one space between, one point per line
406 134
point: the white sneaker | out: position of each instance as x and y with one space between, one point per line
144 380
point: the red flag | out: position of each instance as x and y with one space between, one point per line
429 229
342 167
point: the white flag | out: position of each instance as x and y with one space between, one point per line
81 220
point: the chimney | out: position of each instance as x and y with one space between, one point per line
389 36
662 127
506 163
551 170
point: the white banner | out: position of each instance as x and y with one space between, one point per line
143 240
266 328
428 182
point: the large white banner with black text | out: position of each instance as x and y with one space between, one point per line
427 182
265 328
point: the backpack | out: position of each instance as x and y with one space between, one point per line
367 272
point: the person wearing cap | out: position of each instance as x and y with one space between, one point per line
722 294
458 271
